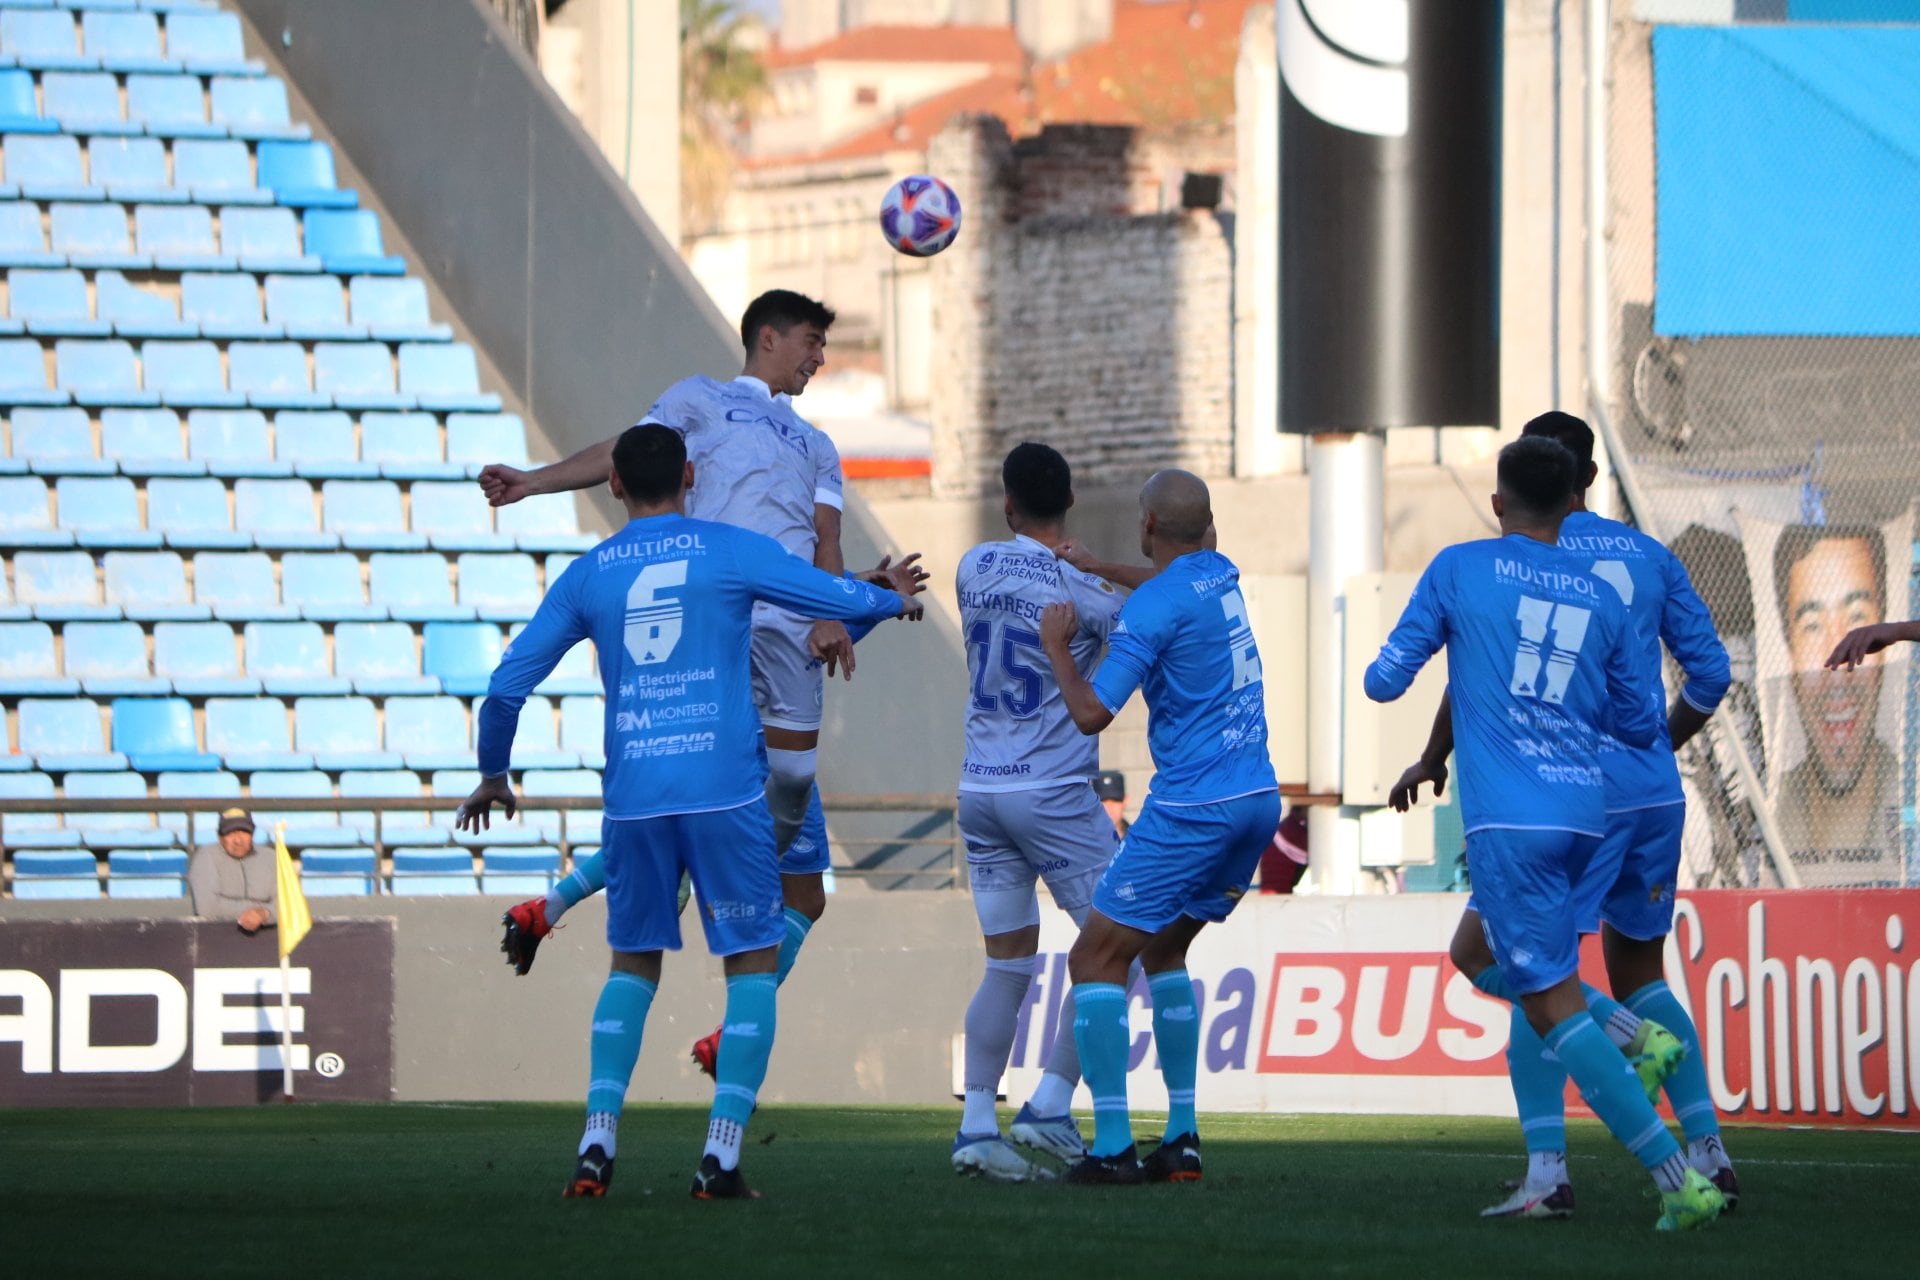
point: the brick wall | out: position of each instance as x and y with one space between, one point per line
1060 315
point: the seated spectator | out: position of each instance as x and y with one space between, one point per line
231 880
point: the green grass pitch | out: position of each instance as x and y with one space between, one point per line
474 1190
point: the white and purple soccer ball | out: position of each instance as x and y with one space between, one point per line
920 215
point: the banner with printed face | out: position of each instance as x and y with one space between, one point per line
188 1013
1833 740
1807 1003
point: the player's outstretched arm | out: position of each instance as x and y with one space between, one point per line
1129 576
1432 764
1857 644
1418 635
589 467
1059 624
475 813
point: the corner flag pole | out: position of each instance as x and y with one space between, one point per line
294 921
286 1028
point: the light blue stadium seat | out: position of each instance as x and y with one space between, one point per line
433 872
207 42
28 666
145 442
476 439
501 588
253 107
382 658
300 174
561 782
63 734
25 518
110 660
305 827
273 375
47 875
85 102
410 825
320 445
462 654
583 727
348 242
406 446
366 514
338 873
53 303
31 830
197 828
151 586
290 658
58 442
455 517
536 741
23 240
157 734
94 235
414 587
234 442
48 167
357 375
265 240
341 733
146 873
394 309
457 784
225 305
133 171
101 372
19 109
170 107
43 39
238 586
23 375
138 313
59 586
444 377
124 41
106 830
181 238
253 734
327 588
519 873
311 308
431 733
216 171
102 511
184 374
545 522
192 512
280 514
202 659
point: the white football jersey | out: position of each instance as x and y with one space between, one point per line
756 463
1019 734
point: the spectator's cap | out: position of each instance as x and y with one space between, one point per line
235 820
1110 784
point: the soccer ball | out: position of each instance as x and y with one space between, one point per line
920 215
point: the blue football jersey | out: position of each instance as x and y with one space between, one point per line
1185 641
1660 598
1019 735
668 603
1541 662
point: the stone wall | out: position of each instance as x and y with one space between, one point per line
1063 316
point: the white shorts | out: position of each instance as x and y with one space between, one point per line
1015 838
787 683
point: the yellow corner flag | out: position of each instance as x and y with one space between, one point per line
290 899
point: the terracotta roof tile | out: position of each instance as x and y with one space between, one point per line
995 45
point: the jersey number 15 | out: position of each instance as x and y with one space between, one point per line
1010 661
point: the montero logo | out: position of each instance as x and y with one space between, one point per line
202 1021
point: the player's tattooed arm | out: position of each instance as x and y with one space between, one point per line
1058 626
1129 576
1432 764
1857 644
589 467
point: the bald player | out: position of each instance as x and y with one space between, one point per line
1183 640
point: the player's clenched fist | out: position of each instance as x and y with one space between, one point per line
503 484
1058 625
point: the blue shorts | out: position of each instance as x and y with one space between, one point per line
1192 860
808 854
1642 856
1524 887
736 880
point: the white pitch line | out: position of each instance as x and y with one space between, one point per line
1582 1155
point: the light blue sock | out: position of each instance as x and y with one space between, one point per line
619 1017
1100 1032
1176 1033
798 926
588 877
1494 983
1687 1087
1539 1087
1611 1088
1620 1023
746 1042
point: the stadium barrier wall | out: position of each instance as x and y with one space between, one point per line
1806 1004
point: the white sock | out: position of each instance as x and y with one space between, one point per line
1053 1096
1672 1173
993 1015
1621 1026
556 905
600 1127
723 1140
977 1116
1546 1168
1707 1155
